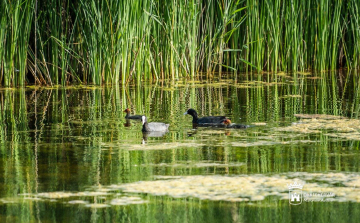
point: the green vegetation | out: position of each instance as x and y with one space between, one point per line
105 42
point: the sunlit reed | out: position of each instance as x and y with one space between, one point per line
109 42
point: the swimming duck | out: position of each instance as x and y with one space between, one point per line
203 120
153 126
228 124
128 116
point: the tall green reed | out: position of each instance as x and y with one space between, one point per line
15 32
109 42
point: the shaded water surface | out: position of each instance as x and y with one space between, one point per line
68 154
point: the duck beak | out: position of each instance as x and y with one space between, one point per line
185 113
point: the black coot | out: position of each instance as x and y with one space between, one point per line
153 126
203 120
128 116
228 124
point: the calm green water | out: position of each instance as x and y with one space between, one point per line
68 155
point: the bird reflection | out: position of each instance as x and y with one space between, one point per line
127 123
151 134
226 124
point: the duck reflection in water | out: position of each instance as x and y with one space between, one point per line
226 123
152 135
127 123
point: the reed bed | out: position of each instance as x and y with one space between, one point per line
109 42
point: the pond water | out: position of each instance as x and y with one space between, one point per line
68 154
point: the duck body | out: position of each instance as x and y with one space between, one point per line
227 123
211 125
153 126
237 126
128 116
204 120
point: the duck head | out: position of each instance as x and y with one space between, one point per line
191 112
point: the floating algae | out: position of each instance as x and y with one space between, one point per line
97 205
269 143
319 116
303 73
316 123
61 194
190 164
259 123
99 194
10 200
78 202
257 187
127 201
162 146
248 188
261 83
348 136
209 164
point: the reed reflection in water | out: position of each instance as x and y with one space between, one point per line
73 139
